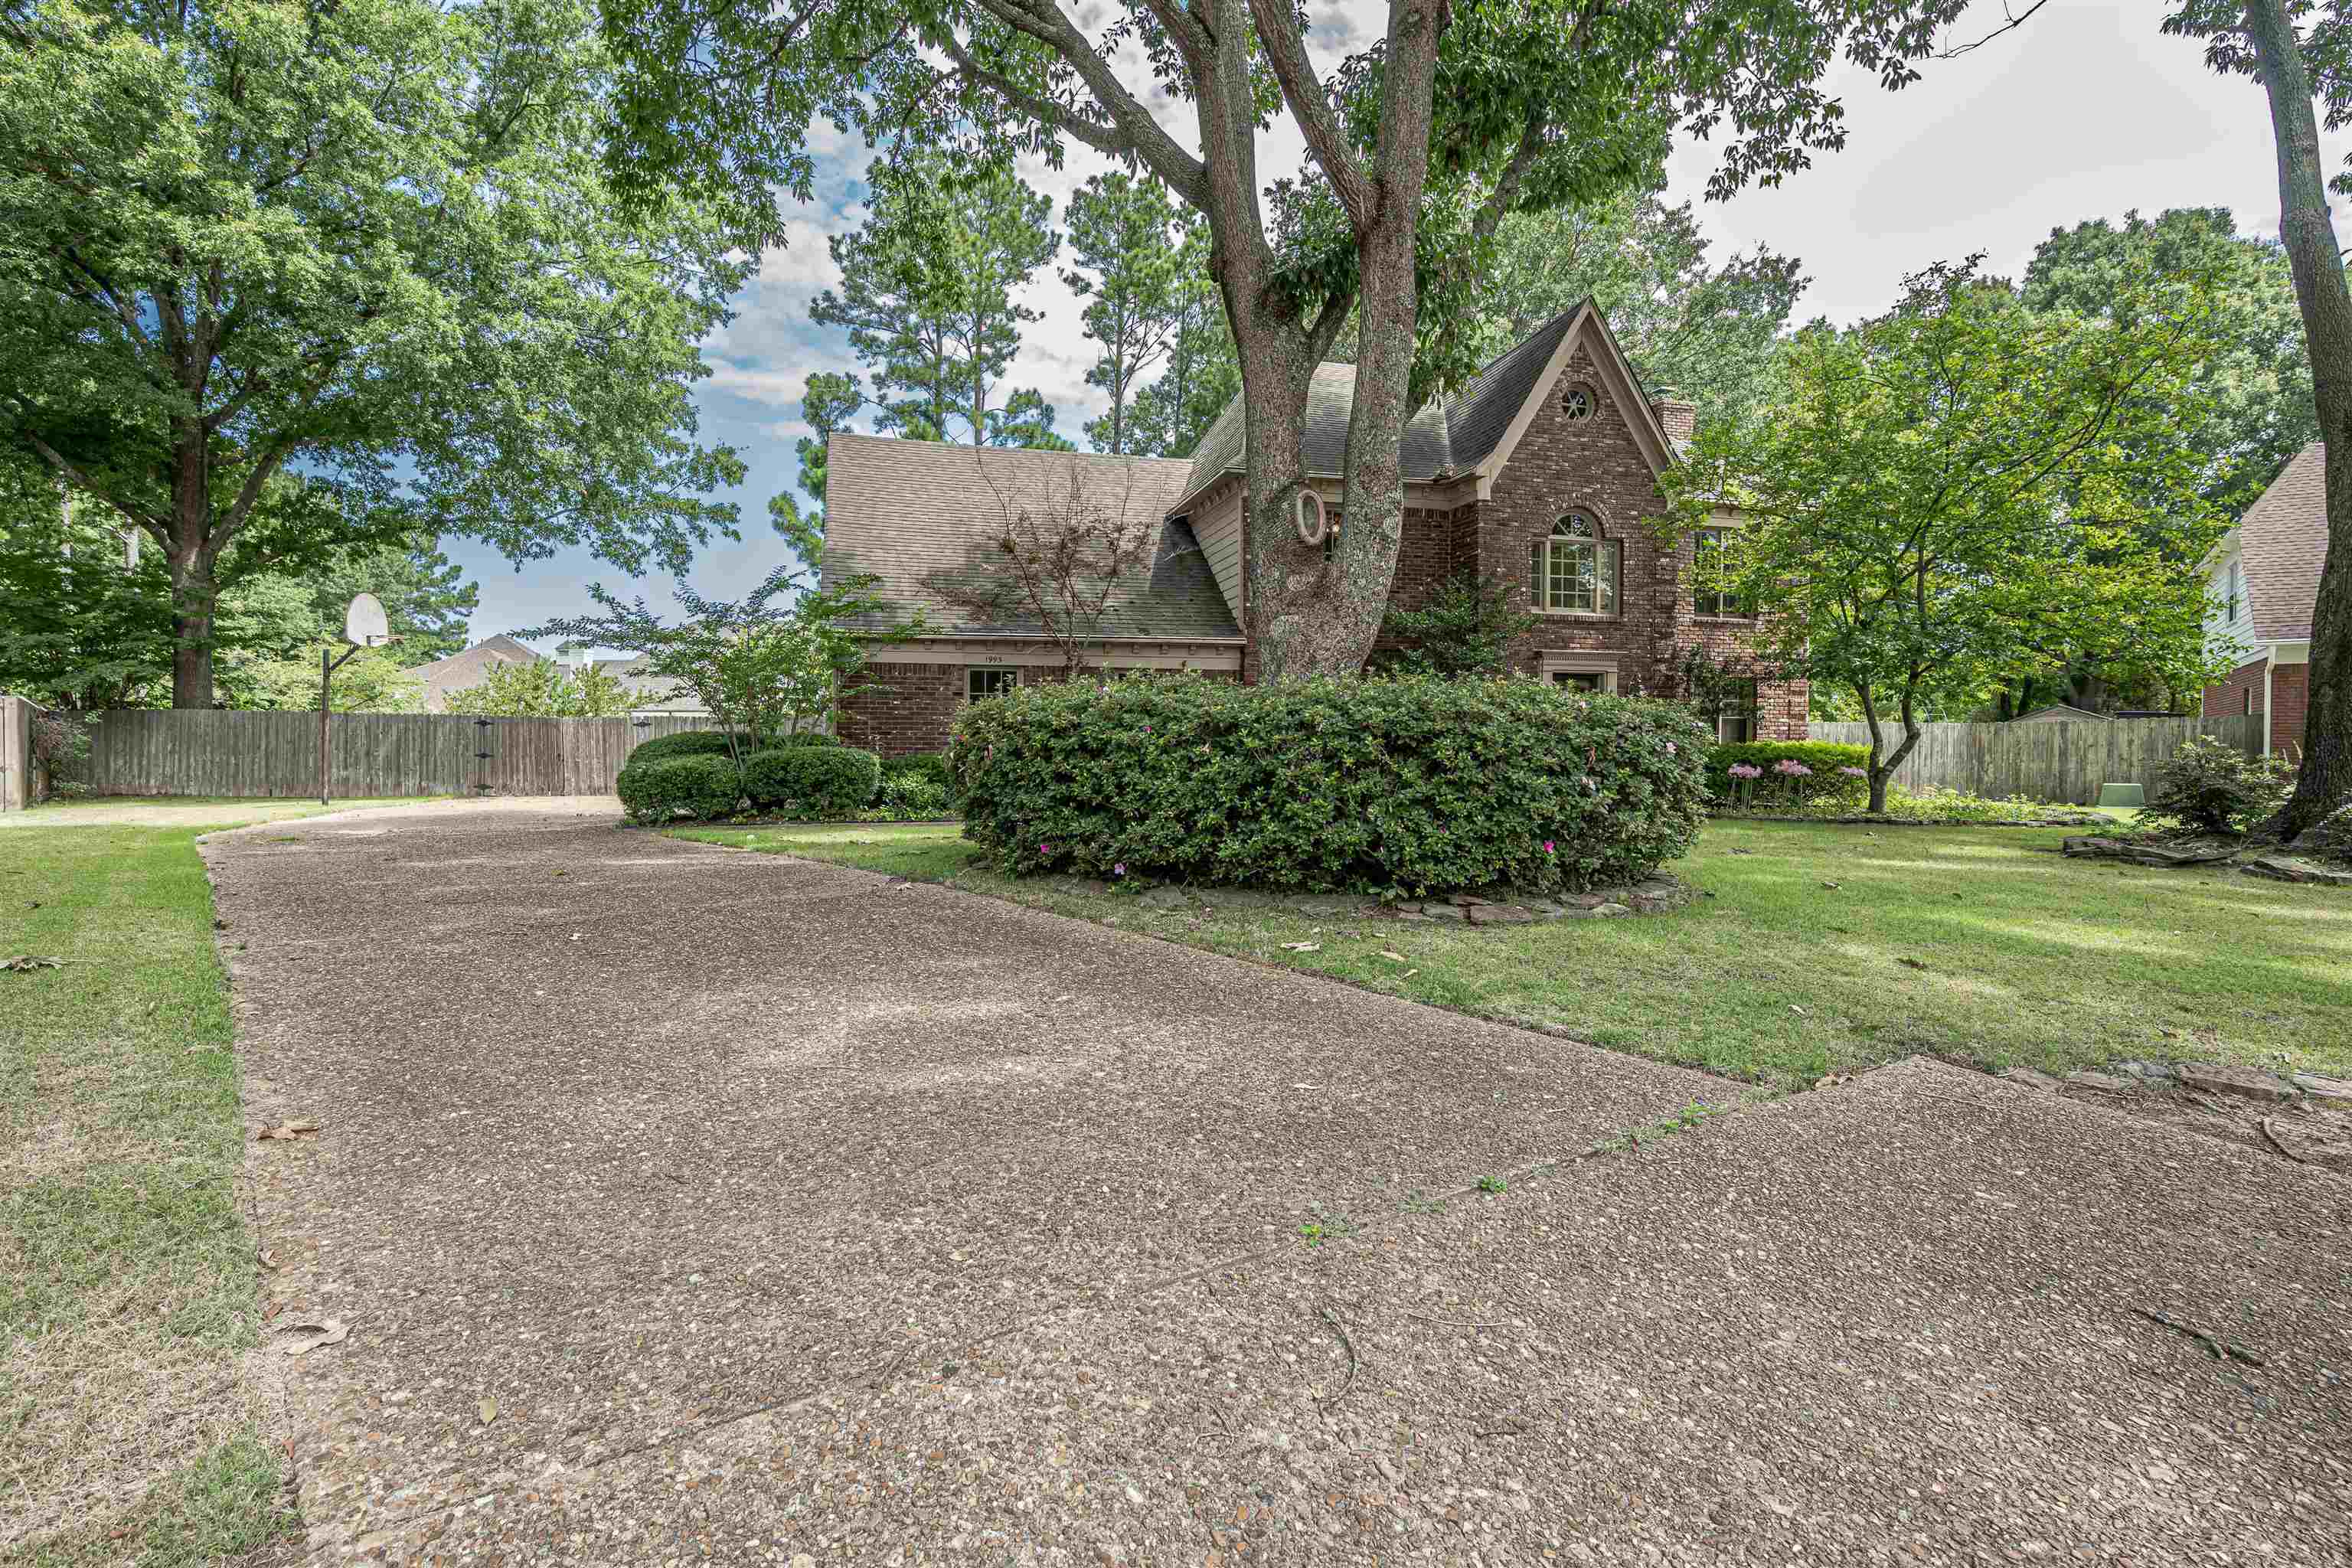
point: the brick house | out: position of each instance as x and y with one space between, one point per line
2264 576
1541 475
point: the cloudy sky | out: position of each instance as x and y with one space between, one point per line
2087 111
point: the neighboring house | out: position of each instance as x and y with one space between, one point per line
656 698
2058 713
444 678
2264 577
1543 473
463 671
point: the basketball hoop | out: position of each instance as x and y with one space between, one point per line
364 626
1314 524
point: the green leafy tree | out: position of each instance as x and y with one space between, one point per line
1466 630
1708 331
369 681
545 690
928 296
1132 280
2301 52
369 243
757 665
1959 479
1417 147
428 598
1203 374
828 402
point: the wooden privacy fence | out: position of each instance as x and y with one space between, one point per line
2045 761
192 752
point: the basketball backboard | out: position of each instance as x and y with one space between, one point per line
364 622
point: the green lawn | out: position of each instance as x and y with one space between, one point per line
1979 945
128 1280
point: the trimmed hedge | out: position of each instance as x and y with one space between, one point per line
1823 757
1378 786
802 737
812 782
685 744
908 795
700 786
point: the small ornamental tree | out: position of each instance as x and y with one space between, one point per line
1061 564
545 690
1962 484
760 668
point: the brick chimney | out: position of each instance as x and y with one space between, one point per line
1679 419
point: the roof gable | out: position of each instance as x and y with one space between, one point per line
1471 432
908 512
2283 541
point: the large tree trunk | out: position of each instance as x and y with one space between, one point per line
2309 236
195 594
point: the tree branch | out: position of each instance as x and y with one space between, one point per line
1286 51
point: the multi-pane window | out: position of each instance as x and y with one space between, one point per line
1576 403
1709 597
1735 713
983 681
1579 679
1576 569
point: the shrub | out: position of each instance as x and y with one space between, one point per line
932 765
802 737
812 783
910 796
1776 781
2210 787
1370 785
685 744
700 786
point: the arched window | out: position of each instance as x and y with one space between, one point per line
1576 569
1577 401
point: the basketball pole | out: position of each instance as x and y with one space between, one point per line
326 674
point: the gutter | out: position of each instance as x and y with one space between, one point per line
2270 666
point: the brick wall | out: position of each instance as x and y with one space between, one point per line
2240 692
907 708
1594 466
2290 692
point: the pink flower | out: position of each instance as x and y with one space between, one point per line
1744 771
1547 849
1119 870
1793 768
1045 849
1855 772
1671 749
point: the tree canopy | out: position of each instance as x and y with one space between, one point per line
1133 281
1960 484
1418 146
286 277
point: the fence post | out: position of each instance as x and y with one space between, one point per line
16 754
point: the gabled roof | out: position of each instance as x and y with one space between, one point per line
467 668
2283 539
917 514
2058 711
1471 432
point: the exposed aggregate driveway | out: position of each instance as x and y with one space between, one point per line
690 1205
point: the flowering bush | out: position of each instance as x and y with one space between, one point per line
1795 772
1369 785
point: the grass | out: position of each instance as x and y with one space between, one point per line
128 1280
201 813
1975 944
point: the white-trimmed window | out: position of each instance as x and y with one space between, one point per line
983 681
1575 569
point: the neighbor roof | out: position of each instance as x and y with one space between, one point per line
2283 540
1450 436
465 670
656 694
909 511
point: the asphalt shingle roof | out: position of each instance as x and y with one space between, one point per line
1450 434
2283 539
910 511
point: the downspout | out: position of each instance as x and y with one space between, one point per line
2269 665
